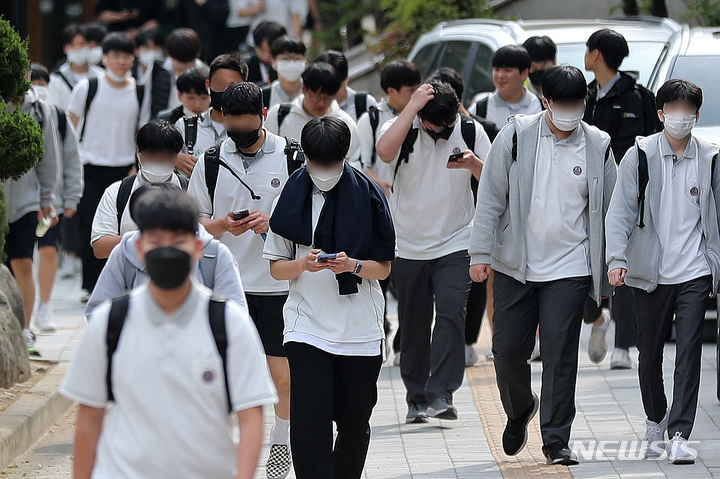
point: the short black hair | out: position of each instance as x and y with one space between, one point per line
71 31
325 139
611 44
95 32
400 73
321 77
117 42
159 135
229 61
512 56
443 108
38 71
168 209
193 81
541 49
242 98
150 35
564 82
268 30
676 89
338 60
287 44
184 45
452 77
142 190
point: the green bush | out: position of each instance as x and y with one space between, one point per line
705 12
14 64
21 144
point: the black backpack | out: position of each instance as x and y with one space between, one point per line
116 321
361 103
374 116
92 91
480 116
283 111
125 190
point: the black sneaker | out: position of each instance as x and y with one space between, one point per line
515 435
442 408
558 453
417 413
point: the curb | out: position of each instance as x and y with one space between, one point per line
32 416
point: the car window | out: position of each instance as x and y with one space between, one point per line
481 74
702 71
425 57
454 55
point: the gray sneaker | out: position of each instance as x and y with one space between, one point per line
654 440
442 408
620 359
417 413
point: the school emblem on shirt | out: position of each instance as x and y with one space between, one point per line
275 183
208 376
694 191
577 171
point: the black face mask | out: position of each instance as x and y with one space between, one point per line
443 134
216 99
536 77
244 139
168 267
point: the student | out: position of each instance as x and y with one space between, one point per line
543 55
183 46
193 95
511 65
67 196
333 315
125 270
96 33
539 224
207 18
111 108
291 14
148 70
30 199
252 174
241 17
352 102
158 145
209 131
672 262
623 109
173 414
289 63
130 16
260 62
320 86
433 236
75 68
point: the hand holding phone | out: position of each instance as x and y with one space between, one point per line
324 258
240 214
456 155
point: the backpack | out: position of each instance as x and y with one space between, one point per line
267 90
283 111
191 130
92 91
374 116
62 119
361 103
480 116
125 191
294 158
116 321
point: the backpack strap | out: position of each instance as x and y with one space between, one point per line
191 131
123 197
294 155
212 169
140 94
408 146
513 151
116 320
175 114
184 181
283 111
643 178
65 79
208 263
361 103
374 116
62 123
217 325
468 132
267 90
92 91
130 275
481 107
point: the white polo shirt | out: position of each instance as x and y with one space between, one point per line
348 106
316 314
278 95
682 246
170 416
58 90
266 175
105 221
556 232
432 205
499 110
365 133
297 117
209 133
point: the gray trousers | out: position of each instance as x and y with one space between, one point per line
433 359
654 318
557 308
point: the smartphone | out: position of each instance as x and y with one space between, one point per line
324 258
456 155
240 214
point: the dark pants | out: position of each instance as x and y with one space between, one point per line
97 179
326 388
476 302
70 235
433 360
622 308
654 318
557 307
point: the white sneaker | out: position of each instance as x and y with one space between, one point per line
489 355
30 342
70 268
45 319
678 451
597 347
396 359
654 439
536 350
471 357
620 359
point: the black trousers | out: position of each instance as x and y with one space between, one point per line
325 388
477 299
97 179
622 308
654 318
433 359
557 308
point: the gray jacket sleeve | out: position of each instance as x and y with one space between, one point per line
609 186
111 282
227 276
622 212
48 168
72 169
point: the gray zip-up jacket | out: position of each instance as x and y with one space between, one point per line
498 234
36 188
70 184
638 249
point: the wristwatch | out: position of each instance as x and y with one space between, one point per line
358 267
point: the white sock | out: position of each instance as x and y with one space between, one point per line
280 432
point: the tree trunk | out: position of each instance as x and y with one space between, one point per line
14 361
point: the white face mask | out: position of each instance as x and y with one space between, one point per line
148 57
290 70
40 91
326 181
566 120
679 126
156 172
95 54
78 57
116 78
